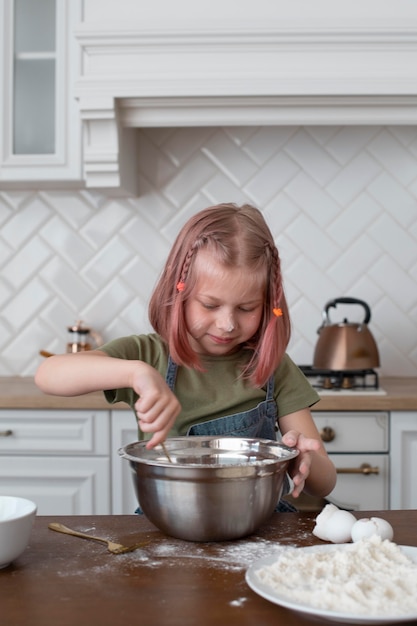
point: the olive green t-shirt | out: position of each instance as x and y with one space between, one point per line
216 392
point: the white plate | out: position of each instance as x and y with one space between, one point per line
274 596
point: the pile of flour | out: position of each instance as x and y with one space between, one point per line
371 577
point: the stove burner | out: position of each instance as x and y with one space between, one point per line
341 379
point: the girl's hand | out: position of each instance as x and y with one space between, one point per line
300 467
157 407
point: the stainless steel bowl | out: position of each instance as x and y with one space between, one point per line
214 488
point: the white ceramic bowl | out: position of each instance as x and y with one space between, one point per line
16 520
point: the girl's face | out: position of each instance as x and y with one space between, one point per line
225 307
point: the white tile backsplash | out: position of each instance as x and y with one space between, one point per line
341 203
263 186
349 141
394 157
312 157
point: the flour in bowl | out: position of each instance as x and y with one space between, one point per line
372 577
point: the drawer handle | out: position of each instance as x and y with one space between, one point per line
6 433
327 434
364 469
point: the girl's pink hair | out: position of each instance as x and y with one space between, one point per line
237 237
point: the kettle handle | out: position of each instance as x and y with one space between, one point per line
346 300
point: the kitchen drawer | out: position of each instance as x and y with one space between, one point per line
344 431
49 432
359 491
58 486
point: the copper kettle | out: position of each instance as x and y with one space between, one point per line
345 345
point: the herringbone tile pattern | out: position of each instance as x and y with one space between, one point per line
341 203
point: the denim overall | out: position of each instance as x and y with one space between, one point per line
258 422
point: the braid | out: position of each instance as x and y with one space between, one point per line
276 291
187 262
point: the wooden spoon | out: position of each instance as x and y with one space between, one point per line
164 448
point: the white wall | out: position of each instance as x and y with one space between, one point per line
341 202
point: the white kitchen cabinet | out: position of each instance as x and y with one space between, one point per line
358 444
40 129
123 431
67 461
57 458
403 460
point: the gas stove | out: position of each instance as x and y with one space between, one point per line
343 381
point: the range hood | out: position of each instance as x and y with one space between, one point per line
213 72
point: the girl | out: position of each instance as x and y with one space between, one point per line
216 364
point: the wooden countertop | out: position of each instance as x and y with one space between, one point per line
60 579
66 580
401 395
21 393
17 392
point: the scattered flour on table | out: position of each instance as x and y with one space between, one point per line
238 602
371 577
229 556
232 556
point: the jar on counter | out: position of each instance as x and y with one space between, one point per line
79 339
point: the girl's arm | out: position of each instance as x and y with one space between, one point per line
312 471
84 372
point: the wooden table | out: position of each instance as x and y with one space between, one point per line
66 581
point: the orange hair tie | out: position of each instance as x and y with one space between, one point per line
277 312
180 286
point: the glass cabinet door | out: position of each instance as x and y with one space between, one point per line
40 63
34 77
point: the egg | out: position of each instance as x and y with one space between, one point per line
334 524
367 527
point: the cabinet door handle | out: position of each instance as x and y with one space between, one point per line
327 434
6 433
365 469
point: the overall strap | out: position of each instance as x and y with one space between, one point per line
270 389
171 373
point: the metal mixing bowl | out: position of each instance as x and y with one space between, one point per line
214 488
